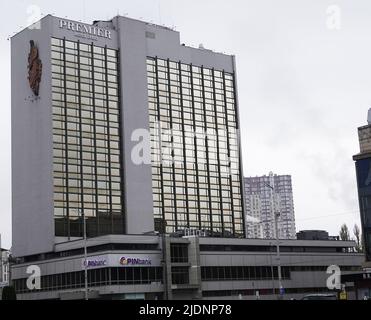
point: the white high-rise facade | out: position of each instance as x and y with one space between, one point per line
267 196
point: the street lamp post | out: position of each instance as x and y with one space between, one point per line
10 262
85 258
271 263
280 287
276 215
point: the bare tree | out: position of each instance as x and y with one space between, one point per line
344 233
357 235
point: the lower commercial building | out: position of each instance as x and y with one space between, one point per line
315 235
189 267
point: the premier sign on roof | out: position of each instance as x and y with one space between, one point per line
85 29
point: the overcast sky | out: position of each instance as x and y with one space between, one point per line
304 80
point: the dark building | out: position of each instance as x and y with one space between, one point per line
363 170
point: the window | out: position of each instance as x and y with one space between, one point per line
180 275
179 252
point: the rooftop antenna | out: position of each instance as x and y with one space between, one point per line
369 116
159 10
84 10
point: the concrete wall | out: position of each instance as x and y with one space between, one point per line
32 147
166 44
364 136
32 138
134 116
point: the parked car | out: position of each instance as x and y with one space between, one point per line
320 296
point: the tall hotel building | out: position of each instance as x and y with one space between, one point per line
128 127
120 125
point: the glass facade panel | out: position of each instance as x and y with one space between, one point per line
194 148
86 140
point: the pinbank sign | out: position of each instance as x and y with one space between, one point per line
95 262
132 261
85 29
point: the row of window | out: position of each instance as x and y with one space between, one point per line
82 61
99 221
96 277
84 94
264 291
242 273
272 248
84 104
70 45
232 273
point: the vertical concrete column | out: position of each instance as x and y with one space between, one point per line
137 185
195 264
167 267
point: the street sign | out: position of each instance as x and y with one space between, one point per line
343 295
257 295
282 290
